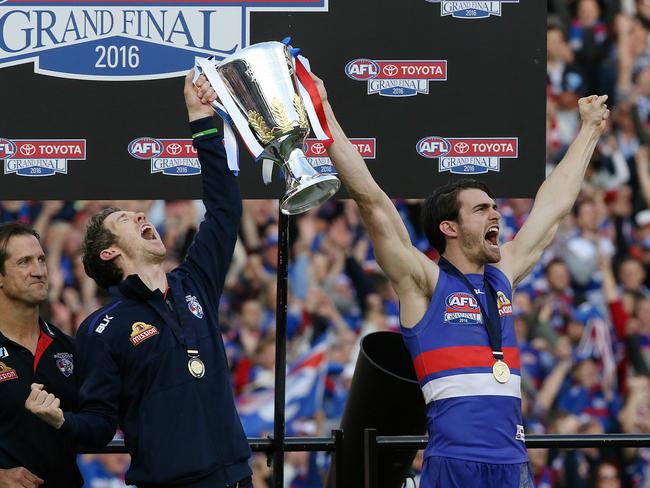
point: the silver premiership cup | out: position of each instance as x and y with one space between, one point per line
261 80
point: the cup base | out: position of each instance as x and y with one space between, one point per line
309 194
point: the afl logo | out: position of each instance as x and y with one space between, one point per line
145 148
462 302
7 148
362 69
462 308
432 147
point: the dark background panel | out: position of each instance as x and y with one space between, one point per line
495 88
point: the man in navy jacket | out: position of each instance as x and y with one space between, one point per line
153 360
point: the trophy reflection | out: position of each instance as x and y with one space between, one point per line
261 80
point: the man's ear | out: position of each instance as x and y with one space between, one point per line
449 228
109 254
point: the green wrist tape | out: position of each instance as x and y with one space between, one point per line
205 133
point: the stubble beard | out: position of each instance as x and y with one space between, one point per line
29 297
476 249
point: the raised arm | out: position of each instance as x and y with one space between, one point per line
209 256
412 274
557 194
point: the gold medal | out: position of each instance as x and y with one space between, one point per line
501 371
196 367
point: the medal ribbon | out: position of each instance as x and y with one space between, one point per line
184 333
491 317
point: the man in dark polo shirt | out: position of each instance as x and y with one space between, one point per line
153 360
31 351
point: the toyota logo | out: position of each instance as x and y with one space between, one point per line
318 148
390 70
174 148
28 149
461 147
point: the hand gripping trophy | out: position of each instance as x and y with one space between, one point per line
261 94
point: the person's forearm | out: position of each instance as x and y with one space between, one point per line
552 385
639 127
562 187
633 345
643 175
88 429
213 245
350 166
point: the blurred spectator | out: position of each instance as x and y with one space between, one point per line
104 470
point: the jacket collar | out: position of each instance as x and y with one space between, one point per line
133 287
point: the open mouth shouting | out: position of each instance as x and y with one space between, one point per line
492 236
148 233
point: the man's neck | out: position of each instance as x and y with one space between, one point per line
152 275
19 323
462 263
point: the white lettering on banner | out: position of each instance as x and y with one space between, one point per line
471 9
363 69
493 147
422 70
99 40
448 163
449 8
61 150
13 165
376 86
159 164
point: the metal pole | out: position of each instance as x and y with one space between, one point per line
280 350
370 454
337 434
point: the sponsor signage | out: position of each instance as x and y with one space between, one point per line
172 157
317 155
127 40
40 157
468 155
471 9
396 78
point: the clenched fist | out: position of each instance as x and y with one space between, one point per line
594 112
198 97
45 406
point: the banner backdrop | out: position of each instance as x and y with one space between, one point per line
92 103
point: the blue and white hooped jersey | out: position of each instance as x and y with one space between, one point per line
470 415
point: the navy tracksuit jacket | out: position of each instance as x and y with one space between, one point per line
133 368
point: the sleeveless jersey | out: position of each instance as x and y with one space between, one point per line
470 415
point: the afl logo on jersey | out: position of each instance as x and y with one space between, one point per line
462 308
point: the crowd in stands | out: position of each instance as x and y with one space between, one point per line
582 317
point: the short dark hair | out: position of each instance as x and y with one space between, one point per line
443 204
9 230
553 262
577 206
98 238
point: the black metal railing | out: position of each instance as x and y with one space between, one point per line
374 443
